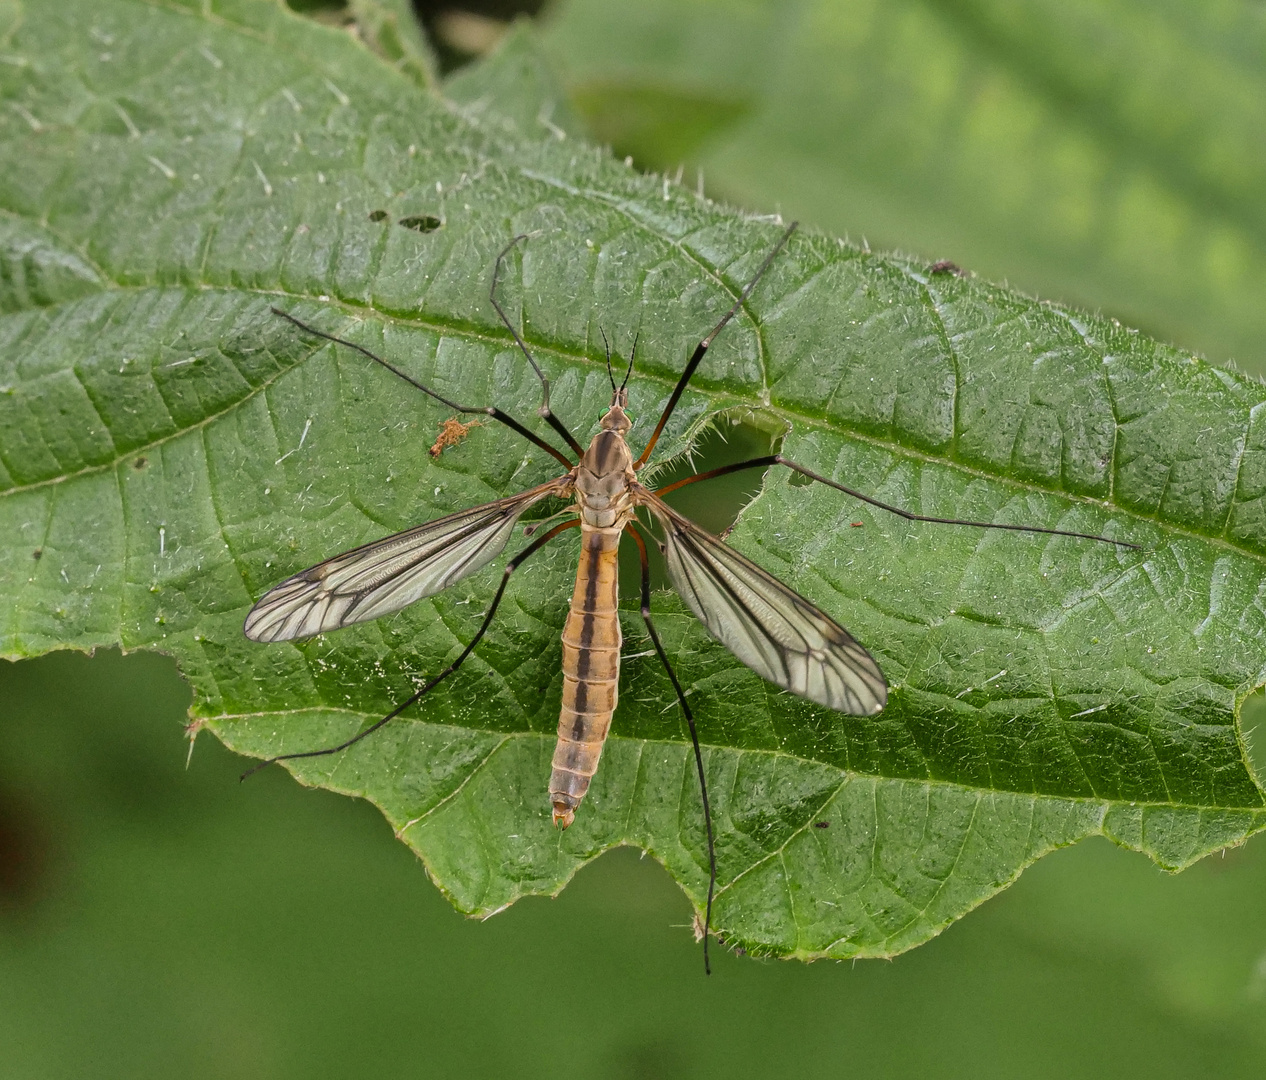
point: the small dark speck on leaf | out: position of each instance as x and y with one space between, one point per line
37 554
378 215
821 824
423 223
140 463
947 267
739 950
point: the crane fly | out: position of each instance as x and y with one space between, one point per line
768 626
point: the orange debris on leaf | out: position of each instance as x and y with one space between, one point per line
452 431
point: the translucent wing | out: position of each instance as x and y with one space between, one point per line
773 630
392 573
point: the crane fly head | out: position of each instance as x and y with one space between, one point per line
615 418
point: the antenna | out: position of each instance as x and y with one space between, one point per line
610 373
632 353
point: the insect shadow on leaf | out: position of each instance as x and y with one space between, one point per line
764 623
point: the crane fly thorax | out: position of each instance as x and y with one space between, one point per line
604 474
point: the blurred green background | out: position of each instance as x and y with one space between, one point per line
156 920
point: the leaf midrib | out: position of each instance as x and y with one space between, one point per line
724 399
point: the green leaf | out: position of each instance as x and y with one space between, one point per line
171 449
392 30
516 89
1107 154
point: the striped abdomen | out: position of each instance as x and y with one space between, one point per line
591 671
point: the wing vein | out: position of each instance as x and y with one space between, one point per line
771 628
386 575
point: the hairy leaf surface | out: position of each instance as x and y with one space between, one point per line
170 450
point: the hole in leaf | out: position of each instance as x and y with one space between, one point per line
714 504
378 215
422 223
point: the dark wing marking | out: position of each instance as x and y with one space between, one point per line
773 630
392 573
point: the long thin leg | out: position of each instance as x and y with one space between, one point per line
511 566
494 413
544 411
702 347
778 459
694 737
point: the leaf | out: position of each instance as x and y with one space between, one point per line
516 89
1106 154
171 450
392 30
